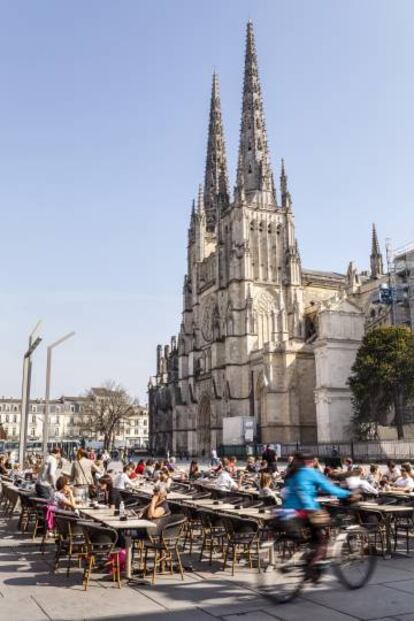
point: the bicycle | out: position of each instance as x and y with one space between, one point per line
349 553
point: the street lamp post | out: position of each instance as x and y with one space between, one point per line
27 376
48 380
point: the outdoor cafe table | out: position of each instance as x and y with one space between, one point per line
388 512
107 517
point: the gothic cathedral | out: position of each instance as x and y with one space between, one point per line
260 335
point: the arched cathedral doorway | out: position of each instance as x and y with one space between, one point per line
204 427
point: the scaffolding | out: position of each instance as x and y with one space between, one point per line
401 270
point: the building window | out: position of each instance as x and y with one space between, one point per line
33 419
33 408
14 432
7 418
57 431
72 408
15 408
33 431
14 418
57 420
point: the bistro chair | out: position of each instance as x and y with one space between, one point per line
374 524
213 534
243 540
100 542
70 539
165 546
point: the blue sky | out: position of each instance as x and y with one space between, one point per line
103 121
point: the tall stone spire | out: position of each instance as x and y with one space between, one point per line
254 171
377 267
284 192
216 194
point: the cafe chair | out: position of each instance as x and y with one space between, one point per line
213 534
70 539
243 540
165 546
100 542
403 524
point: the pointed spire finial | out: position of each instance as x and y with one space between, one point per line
285 194
216 195
254 171
200 199
377 267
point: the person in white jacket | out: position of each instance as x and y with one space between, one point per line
356 482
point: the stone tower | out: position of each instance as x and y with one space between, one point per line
377 268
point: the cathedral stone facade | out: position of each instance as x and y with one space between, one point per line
260 335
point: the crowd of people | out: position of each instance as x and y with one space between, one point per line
95 475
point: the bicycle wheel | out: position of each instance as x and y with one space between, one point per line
354 561
283 581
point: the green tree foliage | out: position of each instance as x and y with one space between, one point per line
382 379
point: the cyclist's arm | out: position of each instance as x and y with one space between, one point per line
329 488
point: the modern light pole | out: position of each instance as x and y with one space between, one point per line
27 375
47 395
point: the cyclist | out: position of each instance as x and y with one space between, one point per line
302 485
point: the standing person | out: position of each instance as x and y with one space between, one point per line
105 459
83 470
48 473
269 455
214 460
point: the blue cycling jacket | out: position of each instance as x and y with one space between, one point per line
303 487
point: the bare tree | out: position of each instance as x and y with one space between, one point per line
106 409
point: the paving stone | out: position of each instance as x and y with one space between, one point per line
258 615
21 609
300 609
69 605
371 602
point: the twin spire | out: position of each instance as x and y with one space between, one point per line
377 266
216 191
254 172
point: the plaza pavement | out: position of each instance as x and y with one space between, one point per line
30 592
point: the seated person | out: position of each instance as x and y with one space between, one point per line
374 475
140 469
105 491
250 465
405 483
225 482
122 482
194 471
158 507
3 470
63 497
265 489
356 482
392 472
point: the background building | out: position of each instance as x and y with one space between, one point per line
261 336
66 421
